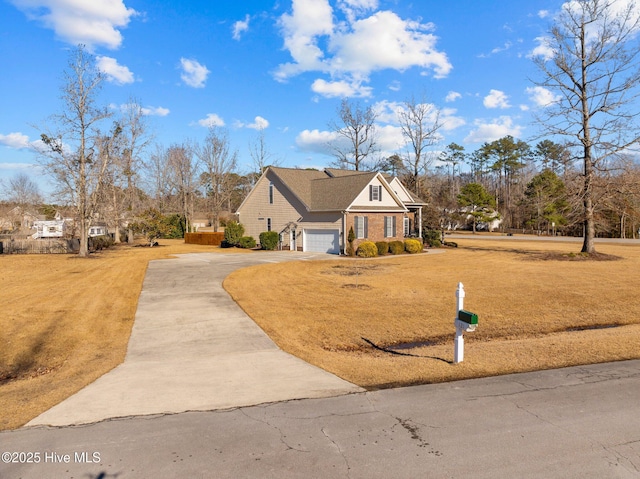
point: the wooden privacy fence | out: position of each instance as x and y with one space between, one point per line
39 246
207 238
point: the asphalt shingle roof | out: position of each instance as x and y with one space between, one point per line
329 190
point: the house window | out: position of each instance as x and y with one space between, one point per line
406 227
268 224
270 193
375 192
389 226
361 224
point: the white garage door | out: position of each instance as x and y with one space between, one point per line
322 241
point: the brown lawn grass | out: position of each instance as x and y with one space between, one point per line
65 321
529 296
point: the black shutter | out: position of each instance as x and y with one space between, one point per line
380 193
366 226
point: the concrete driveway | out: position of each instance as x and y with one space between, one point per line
193 349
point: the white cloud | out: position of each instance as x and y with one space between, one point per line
543 13
353 8
493 130
542 96
240 27
115 73
309 20
352 49
193 74
331 89
389 139
155 111
259 123
17 166
543 50
145 110
503 48
452 96
496 99
211 120
92 23
15 140
384 41
387 111
450 121
316 141
395 86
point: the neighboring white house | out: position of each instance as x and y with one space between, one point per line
97 230
49 229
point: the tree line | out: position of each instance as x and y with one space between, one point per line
581 179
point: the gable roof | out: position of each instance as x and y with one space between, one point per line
414 199
338 192
298 181
331 189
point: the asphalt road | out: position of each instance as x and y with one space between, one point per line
579 422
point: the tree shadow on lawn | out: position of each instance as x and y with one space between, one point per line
26 363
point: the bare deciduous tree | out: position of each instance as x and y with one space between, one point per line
218 163
158 176
260 155
135 139
593 70
420 123
76 153
183 171
355 135
22 190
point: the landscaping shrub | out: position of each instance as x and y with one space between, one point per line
396 247
247 242
367 249
101 242
232 234
432 238
413 246
383 247
269 240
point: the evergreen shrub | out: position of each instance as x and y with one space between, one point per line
269 240
247 242
396 247
383 247
232 234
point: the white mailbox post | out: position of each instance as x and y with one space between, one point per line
465 322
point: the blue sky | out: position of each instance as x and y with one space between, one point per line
282 66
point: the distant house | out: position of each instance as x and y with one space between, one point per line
314 210
98 230
49 229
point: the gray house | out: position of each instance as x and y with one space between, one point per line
313 210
